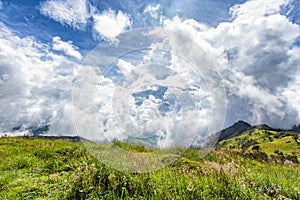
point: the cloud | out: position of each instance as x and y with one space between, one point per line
1 5
92 106
244 86
254 53
143 100
291 95
35 85
67 47
260 49
110 24
67 12
125 67
153 11
256 57
253 9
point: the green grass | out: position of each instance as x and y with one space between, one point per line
60 169
268 141
286 145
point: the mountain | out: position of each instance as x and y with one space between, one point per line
147 142
235 130
240 127
265 143
33 131
296 128
263 127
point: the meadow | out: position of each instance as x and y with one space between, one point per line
38 168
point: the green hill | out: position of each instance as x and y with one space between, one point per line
40 168
278 145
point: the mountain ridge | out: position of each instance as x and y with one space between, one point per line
239 127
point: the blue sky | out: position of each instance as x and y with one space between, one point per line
254 46
25 17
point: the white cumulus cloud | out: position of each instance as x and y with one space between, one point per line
256 57
125 67
110 24
35 85
67 47
254 53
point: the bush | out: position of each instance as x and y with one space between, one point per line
281 158
249 143
292 158
258 155
276 151
256 148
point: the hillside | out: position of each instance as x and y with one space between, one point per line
278 145
40 168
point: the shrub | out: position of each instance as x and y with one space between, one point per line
258 155
249 143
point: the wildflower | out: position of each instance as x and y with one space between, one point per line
190 187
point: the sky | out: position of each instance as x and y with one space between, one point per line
74 65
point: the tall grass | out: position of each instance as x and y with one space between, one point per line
60 169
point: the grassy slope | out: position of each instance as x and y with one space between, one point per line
267 141
57 169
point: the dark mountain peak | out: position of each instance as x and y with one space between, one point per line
236 129
263 127
241 123
268 128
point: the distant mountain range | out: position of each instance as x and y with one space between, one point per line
33 131
240 127
235 130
